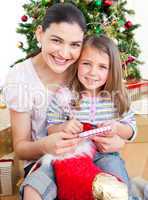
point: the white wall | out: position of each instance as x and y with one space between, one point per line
141 17
10 13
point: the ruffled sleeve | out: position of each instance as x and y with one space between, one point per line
129 119
17 91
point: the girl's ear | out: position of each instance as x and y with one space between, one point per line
38 33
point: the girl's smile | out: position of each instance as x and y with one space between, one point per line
93 68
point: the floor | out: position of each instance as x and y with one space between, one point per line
9 198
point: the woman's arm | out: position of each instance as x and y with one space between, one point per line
21 132
57 143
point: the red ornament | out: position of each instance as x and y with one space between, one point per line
108 3
24 18
130 59
128 25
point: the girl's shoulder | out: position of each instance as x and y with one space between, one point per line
63 94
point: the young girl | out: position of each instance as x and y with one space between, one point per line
100 74
101 100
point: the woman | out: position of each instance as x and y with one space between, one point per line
31 83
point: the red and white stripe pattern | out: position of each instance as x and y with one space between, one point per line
96 131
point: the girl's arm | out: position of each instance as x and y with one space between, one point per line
55 128
125 127
128 126
108 144
125 131
72 126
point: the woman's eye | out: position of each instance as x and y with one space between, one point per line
56 41
75 45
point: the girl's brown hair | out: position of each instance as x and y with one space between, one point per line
114 84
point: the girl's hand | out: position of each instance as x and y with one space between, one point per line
72 126
114 128
59 143
108 144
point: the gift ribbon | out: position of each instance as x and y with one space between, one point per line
6 160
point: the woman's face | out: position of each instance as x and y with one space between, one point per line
61 45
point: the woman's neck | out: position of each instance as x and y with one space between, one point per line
46 75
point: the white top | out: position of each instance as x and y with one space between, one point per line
24 92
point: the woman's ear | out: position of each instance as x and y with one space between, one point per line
38 33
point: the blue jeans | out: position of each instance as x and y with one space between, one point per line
43 181
112 163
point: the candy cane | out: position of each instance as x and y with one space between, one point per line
96 131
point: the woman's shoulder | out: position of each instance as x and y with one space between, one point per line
22 67
20 72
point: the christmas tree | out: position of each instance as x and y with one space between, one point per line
103 17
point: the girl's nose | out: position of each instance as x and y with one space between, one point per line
93 70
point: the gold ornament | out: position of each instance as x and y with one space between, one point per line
115 40
107 187
90 16
125 70
88 1
19 45
114 22
2 106
110 31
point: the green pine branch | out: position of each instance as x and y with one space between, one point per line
116 16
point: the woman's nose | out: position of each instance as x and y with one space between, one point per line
65 52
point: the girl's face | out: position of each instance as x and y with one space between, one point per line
93 68
61 45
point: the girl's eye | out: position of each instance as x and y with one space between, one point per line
103 67
85 63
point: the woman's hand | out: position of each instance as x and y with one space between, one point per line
60 143
108 144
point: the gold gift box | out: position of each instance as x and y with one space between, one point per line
5 142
